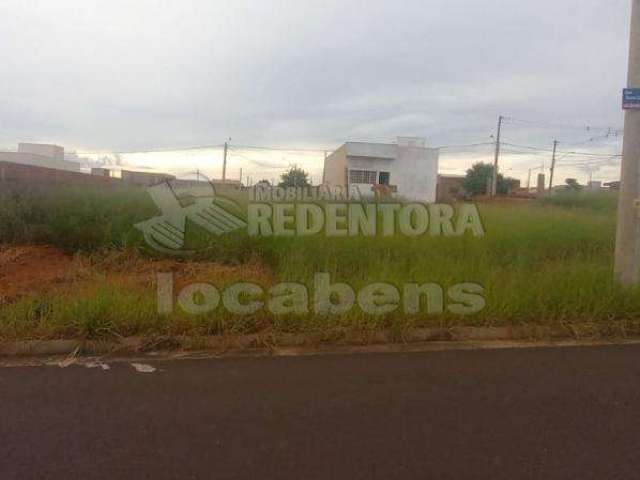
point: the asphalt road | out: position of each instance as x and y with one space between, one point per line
535 413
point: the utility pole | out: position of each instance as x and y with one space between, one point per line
224 162
553 164
324 167
494 178
627 264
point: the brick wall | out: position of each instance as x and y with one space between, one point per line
144 178
449 188
32 175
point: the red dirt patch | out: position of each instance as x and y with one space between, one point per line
37 270
32 270
130 268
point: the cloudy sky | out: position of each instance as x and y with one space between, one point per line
104 76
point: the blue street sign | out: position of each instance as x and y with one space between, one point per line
631 99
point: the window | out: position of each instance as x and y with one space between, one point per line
384 177
362 176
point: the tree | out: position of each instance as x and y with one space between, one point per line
294 177
479 176
263 183
573 185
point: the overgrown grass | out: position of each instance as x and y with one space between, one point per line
603 201
537 264
547 263
74 218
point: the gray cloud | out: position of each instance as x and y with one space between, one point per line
126 75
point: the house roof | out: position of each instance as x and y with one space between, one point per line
450 175
372 150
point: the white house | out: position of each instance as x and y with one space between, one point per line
407 167
40 155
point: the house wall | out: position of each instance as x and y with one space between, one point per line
144 178
36 160
46 150
413 169
335 168
375 164
416 173
450 187
105 172
362 149
21 174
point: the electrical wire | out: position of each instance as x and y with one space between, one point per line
150 150
277 149
585 154
541 123
468 145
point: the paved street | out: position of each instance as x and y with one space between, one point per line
534 413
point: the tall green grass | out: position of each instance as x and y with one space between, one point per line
74 218
548 262
536 264
604 201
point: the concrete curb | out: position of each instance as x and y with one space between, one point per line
298 342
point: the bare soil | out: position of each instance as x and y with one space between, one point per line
43 269
31 270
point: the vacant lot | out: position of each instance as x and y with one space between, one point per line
73 265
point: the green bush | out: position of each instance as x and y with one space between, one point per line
604 201
74 218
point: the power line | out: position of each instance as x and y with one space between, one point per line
576 161
468 145
545 124
261 163
528 147
315 150
279 149
610 132
525 152
150 150
565 153
586 154
593 139
603 161
198 147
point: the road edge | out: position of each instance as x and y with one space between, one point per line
298 344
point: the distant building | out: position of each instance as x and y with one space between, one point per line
513 185
613 185
102 172
220 187
147 179
20 174
40 155
46 150
408 168
450 188
214 181
540 184
594 186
